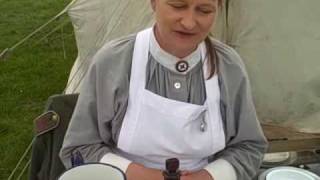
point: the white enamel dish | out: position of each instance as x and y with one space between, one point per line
288 173
96 171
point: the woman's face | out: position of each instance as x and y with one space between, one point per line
182 24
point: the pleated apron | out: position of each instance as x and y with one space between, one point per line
156 128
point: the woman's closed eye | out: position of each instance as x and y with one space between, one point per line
206 10
178 5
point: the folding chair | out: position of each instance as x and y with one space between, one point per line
50 129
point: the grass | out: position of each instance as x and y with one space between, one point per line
32 72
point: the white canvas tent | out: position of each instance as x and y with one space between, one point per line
279 42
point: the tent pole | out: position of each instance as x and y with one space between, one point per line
21 159
4 54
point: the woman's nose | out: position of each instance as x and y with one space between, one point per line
188 21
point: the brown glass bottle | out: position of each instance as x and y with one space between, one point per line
172 169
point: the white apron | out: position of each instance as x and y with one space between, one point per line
156 128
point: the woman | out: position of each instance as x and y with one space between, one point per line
169 91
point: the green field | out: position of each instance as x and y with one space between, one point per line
31 73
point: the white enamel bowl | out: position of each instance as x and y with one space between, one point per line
288 173
93 172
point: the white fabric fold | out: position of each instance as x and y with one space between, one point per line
116 160
221 170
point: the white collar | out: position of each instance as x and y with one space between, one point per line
168 60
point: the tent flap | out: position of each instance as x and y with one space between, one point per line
279 42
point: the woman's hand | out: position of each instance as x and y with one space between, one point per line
199 175
139 172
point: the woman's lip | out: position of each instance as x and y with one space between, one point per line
185 33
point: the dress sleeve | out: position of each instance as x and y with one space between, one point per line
97 116
83 133
245 141
101 106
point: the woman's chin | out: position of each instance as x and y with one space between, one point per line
186 45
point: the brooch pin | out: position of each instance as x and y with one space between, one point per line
182 66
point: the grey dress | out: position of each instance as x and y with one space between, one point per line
98 116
